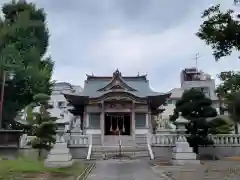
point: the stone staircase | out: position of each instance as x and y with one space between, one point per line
112 152
128 149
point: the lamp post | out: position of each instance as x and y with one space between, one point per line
2 96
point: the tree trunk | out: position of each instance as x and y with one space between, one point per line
236 127
196 149
2 96
39 154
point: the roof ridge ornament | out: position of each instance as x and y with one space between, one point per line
117 73
117 83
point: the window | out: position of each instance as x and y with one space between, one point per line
51 105
62 115
140 120
206 91
170 101
61 104
94 121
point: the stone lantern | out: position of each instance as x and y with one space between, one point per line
59 155
180 124
182 152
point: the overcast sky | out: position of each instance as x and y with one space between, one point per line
153 37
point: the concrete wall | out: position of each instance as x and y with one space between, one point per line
96 139
162 152
12 153
79 153
219 152
210 84
24 153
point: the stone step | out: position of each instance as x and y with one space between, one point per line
131 154
116 148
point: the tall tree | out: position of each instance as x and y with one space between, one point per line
43 124
220 30
233 107
24 38
228 91
195 107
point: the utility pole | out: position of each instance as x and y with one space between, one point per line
2 96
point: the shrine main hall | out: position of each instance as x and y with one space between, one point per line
116 105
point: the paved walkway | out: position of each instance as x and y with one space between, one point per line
123 170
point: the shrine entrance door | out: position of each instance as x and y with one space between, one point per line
117 124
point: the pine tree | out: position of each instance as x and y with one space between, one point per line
197 108
44 125
24 39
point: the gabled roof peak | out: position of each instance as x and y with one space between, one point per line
117 83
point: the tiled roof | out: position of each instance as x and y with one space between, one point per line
176 93
141 86
96 86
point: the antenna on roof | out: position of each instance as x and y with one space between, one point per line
138 73
197 56
92 74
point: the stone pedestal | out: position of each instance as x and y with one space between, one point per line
59 155
183 154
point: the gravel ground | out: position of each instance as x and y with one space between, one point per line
210 170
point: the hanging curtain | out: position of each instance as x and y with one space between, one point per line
123 128
117 124
111 129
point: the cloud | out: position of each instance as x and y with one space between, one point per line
153 37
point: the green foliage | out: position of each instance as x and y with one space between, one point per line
44 125
230 83
229 91
28 168
233 107
24 41
220 30
195 107
220 126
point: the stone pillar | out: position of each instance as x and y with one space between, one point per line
102 123
133 120
87 120
84 126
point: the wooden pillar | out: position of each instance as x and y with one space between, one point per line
133 120
84 120
102 123
87 120
149 115
147 120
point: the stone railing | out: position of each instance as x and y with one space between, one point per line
164 139
78 140
226 139
73 140
219 139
